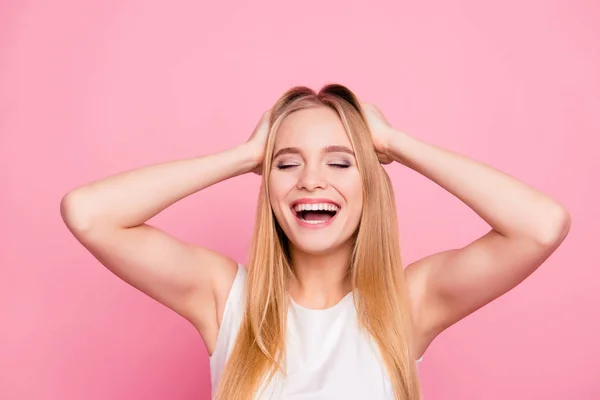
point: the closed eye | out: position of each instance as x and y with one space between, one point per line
285 166
335 165
339 165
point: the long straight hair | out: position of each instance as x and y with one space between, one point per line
376 271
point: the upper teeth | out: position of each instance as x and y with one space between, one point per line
316 207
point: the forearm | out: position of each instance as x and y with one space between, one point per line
510 206
132 197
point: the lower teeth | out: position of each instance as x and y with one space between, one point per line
312 222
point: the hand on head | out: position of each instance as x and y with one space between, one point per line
381 131
380 128
258 140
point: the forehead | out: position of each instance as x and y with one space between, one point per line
312 128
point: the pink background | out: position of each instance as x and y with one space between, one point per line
93 89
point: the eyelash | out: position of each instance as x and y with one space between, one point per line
285 166
335 165
338 165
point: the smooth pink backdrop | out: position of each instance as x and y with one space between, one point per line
94 88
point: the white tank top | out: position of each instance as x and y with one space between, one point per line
327 356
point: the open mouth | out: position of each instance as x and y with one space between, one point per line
316 213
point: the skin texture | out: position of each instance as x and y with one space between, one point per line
109 217
310 163
526 227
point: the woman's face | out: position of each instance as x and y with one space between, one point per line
314 187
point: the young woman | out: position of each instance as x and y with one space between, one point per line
325 308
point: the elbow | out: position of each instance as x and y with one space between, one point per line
74 212
556 229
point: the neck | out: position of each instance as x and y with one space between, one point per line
321 280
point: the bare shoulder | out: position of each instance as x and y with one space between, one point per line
222 287
222 280
416 275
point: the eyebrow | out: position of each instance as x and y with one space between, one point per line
328 149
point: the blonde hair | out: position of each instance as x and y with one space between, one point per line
376 271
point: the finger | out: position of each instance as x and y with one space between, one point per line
384 159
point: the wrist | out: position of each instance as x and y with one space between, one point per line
250 156
397 145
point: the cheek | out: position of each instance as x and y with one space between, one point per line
279 188
280 185
352 190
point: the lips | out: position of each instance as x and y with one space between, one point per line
314 213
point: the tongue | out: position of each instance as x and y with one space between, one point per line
316 216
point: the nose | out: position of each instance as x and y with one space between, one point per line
311 178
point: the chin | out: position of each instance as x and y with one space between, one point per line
318 239
317 246
315 249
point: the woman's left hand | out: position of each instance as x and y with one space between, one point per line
381 132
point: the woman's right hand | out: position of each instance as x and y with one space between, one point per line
258 140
